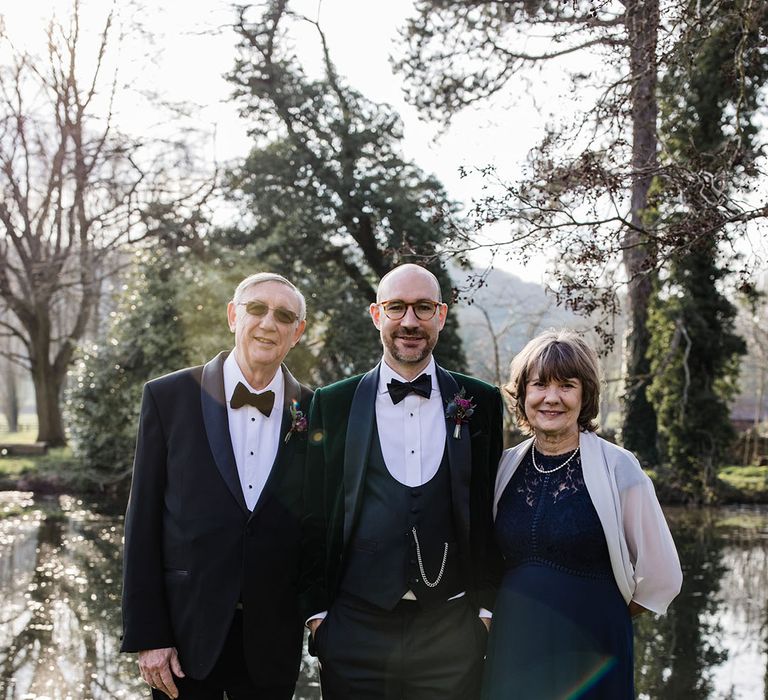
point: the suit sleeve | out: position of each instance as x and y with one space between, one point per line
313 596
146 622
490 562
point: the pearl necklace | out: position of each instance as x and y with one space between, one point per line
549 471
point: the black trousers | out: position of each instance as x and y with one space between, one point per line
409 653
229 675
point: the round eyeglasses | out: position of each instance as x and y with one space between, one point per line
395 309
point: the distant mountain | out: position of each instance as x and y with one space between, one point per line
505 310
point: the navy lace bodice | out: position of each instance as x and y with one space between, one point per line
550 519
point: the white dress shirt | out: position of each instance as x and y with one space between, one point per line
255 437
411 460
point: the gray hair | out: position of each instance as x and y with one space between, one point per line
261 277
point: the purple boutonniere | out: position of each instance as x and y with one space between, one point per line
460 410
298 420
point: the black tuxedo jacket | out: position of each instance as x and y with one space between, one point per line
193 550
341 424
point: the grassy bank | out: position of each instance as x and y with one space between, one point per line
53 472
745 484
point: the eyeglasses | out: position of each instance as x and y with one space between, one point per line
260 309
396 309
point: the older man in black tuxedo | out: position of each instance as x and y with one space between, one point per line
212 530
400 565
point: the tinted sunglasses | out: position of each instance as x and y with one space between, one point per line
260 309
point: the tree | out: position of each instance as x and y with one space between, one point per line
588 189
73 191
695 353
708 125
146 338
66 187
754 370
9 398
329 200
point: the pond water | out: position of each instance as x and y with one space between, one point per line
60 612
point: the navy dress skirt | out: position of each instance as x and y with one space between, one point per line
561 629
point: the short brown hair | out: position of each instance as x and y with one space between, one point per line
557 355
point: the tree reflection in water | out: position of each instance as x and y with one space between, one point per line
60 571
59 580
60 567
711 642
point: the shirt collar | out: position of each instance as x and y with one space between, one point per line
387 374
233 374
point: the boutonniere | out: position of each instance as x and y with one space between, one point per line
298 420
460 410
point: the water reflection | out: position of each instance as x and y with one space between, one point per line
59 580
712 643
60 567
60 620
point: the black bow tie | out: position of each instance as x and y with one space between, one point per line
422 386
263 401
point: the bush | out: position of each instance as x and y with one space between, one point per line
145 339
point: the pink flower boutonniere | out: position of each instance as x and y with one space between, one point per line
460 410
298 420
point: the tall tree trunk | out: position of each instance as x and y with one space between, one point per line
639 425
50 427
48 378
10 397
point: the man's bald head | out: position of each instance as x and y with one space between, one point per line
402 273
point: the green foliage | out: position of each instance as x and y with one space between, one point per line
708 101
328 200
711 90
694 362
146 338
13 466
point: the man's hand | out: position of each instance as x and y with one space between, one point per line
636 609
487 622
314 624
158 666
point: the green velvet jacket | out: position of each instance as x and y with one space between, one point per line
341 424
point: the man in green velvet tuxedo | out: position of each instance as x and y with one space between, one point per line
399 564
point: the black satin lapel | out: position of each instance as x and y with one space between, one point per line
359 431
291 392
217 426
459 455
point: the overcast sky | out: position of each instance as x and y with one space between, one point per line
193 49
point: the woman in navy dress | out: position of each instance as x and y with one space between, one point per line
585 543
